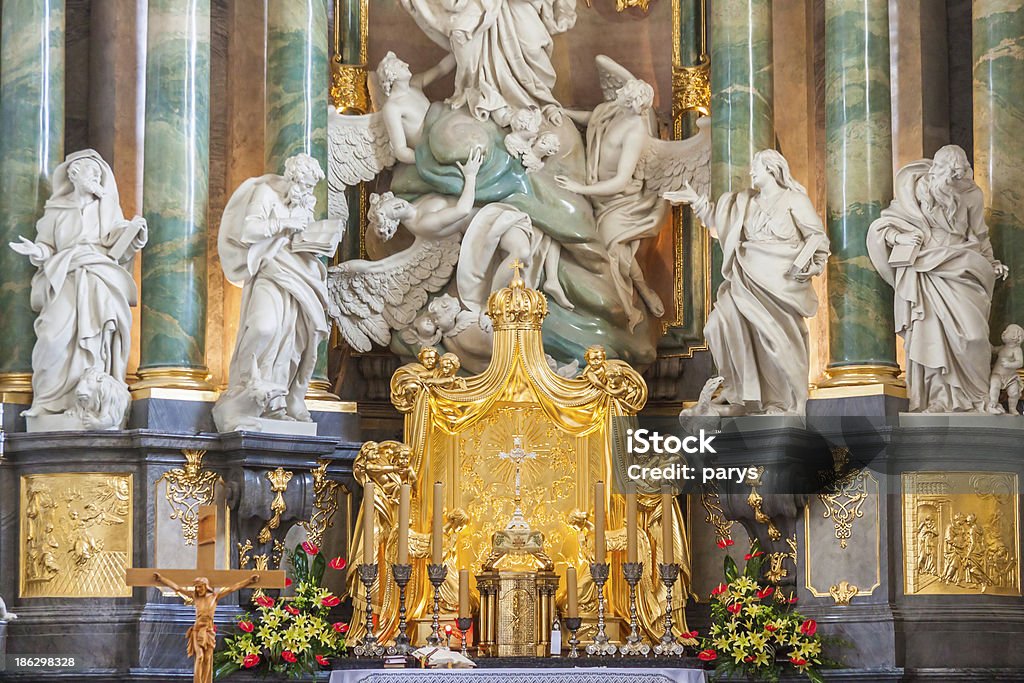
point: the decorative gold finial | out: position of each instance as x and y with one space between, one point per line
517 280
517 305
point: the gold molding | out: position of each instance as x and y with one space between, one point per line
187 488
76 534
861 375
843 592
808 570
278 479
859 390
776 571
845 495
755 501
19 383
691 89
349 91
197 379
320 391
709 499
325 504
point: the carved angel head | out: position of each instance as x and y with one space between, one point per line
1013 334
595 356
386 212
449 365
635 95
547 145
526 120
390 70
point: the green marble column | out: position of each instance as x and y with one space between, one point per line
858 158
298 75
742 97
999 144
175 195
31 146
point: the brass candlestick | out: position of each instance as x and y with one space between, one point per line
402 574
601 646
369 647
634 644
669 644
573 624
464 624
437 573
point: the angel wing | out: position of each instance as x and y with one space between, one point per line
667 164
371 298
611 75
358 149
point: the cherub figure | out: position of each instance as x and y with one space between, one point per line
202 635
547 145
525 125
1009 360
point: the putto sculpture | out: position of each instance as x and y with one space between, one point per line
83 291
270 245
1006 372
932 246
773 244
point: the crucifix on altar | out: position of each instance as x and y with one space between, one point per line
518 455
202 636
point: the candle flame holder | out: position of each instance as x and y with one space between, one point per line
369 647
402 574
601 646
634 644
669 644
437 574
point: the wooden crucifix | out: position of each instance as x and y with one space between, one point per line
202 636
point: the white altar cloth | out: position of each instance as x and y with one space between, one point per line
590 674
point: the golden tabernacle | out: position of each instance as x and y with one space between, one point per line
457 430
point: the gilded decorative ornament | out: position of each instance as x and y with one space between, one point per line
189 487
244 554
325 504
845 496
623 5
278 479
349 92
755 501
516 305
709 499
777 571
843 592
691 89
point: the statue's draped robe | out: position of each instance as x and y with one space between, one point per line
284 292
757 331
944 298
507 61
83 296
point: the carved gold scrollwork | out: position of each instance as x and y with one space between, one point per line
244 554
716 515
325 504
189 487
843 592
278 479
691 89
755 501
349 92
845 496
776 562
623 5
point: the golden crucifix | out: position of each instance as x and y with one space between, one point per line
202 636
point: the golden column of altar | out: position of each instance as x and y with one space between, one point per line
455 429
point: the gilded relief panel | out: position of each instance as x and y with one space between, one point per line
961 533
76 535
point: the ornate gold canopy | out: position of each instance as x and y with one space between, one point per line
455 428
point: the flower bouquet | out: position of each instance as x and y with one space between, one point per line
755 631
291 636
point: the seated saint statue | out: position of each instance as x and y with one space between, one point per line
270 245
83 292
773 243
932 245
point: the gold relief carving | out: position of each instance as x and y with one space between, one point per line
349 92
623 5
843 592
76 535
278 479
844 497
189 487
691 89
325 504
244 554
777 570
961 533
709 498
755 501
517 305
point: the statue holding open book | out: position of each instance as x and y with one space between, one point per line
773 244
271 246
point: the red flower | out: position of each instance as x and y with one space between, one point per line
310 548
246 626
289 656
330 601
761 595
708 655
322 661
749 556
340 627
796 661
719 589
771 628
338 563
809 627
748 658
735 608
294 611
250 661
689 634
724 543
792 600
287 582
265 601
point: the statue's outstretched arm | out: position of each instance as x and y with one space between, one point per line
164 581
440 69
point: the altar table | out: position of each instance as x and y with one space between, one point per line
590 674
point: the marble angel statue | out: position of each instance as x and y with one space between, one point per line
360 147
629 169
371 298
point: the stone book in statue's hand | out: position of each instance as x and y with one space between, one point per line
321 237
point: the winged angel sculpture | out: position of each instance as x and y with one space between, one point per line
471 206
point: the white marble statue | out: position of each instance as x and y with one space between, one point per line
1006 373
502 51
526 143
773 243
628 169
4 614
270 245
362 146
932 245
83 291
